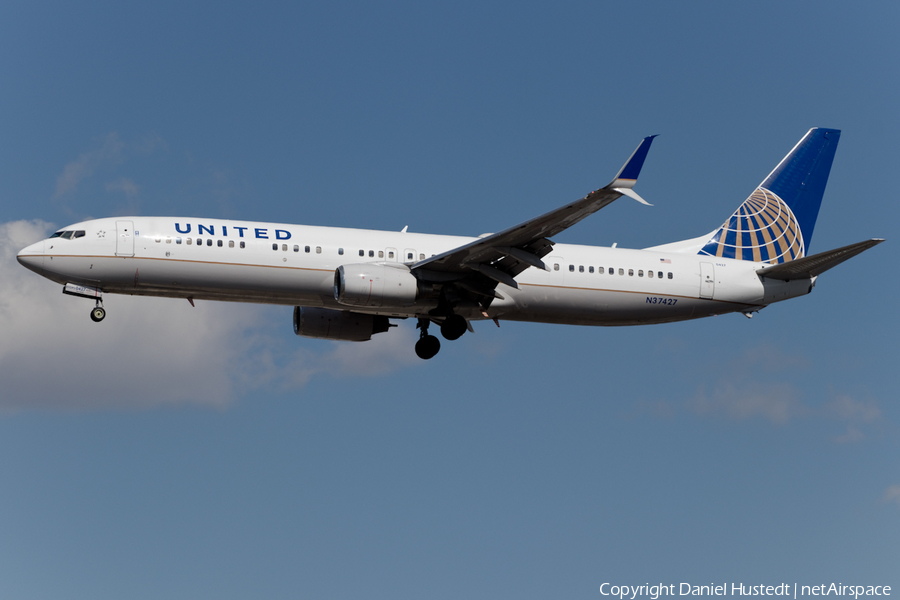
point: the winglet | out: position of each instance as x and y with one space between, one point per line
628 175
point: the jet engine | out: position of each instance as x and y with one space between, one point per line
328 324
375 285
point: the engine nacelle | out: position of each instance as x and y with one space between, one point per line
328 324
375 285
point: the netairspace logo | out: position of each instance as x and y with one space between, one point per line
632 592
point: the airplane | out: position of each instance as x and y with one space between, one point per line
347 284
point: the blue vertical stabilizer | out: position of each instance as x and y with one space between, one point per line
775 224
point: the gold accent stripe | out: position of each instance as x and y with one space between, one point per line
182 260
565 287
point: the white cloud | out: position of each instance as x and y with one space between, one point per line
384 353
757 385
846 408
747 389
892 494
855 413
770 359
130 189
110 152
777 402
154 351
124 185
147 351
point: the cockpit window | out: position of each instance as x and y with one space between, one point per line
68 235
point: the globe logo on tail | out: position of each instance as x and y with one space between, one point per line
762 229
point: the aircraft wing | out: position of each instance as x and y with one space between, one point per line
499 257
815 265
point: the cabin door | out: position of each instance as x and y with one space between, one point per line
124 238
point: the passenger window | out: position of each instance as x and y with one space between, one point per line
409 256
274 246
659 274
381 254
581 268
571 268
168 239
178 240
306 249
158 239
220 243
621 271
209 242
611 271
421 257
296 248
371 254
243 244
189 241
199 241
341 251
231 243
650 274
590 269
362 252
318 249
284 247
390 254
631 272
556 266
640 273
670 275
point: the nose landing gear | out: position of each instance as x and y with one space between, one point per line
98 313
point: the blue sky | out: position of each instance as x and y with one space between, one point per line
208 452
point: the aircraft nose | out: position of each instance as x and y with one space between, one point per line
32 257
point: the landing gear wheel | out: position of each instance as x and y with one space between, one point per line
98 314
427 347
453 327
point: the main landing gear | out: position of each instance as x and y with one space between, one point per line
428 345
452 328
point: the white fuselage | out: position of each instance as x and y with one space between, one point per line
212 259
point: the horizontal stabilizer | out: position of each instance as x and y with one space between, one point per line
812 266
